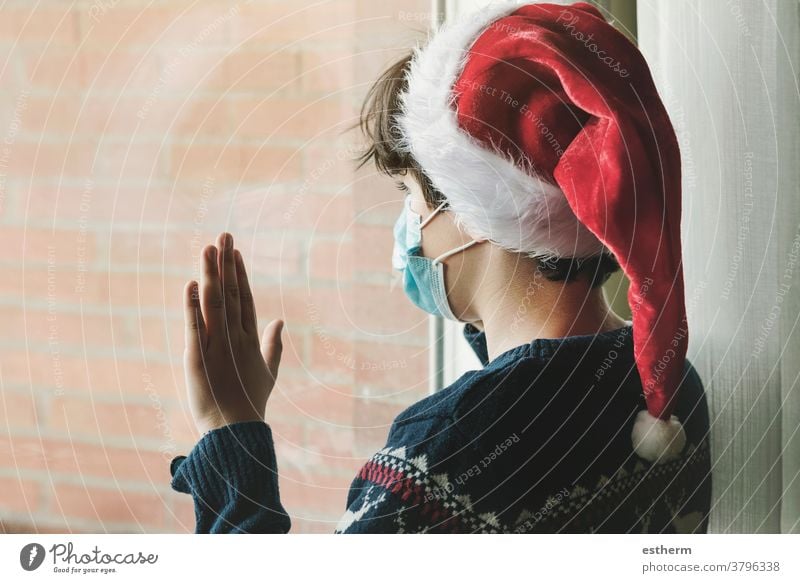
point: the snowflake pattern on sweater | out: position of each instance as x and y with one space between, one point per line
424 503
537 441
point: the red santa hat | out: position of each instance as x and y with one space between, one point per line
543 128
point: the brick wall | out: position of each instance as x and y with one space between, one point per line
131 133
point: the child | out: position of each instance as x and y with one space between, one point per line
537 159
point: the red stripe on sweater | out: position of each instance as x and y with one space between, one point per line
397 482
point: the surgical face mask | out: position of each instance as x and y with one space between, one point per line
423 278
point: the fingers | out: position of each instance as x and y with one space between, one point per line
195 326
230 283
272 346
211 293
249 323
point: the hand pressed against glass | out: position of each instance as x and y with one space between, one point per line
229 376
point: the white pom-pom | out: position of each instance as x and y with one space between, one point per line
657 440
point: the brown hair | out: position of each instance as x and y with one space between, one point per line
378 123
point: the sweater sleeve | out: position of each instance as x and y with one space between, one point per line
477 341
232 475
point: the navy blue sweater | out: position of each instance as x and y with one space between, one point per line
538 440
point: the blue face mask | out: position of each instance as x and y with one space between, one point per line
423 278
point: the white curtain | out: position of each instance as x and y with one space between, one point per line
728 73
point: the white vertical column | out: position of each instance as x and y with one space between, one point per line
727 71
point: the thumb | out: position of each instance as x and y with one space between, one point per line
272 346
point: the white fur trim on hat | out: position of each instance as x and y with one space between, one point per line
657 440
489 194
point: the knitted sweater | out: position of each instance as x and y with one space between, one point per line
536 441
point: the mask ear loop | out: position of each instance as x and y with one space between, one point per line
456 250
433 214
446 254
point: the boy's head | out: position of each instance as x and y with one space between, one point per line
378 122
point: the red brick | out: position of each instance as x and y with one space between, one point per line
98 203
383 311
98 419
131 160
71 374
11 82
146 247
132 289
205 161
39 327
159 335
77 458
260 208
294 350
311 490
162 25
369 439
332 353
181 511
18 410
197 116
368 65
18 365
290 441
275 212
43 160
74 115
266 253
45 245
286 303
328 213
114 114
182 428
326 441
237 164
70 329
374 244
268 164
277 117
331 259
313 401
29 283
328 309
377 414
53 68
327 71
330 166
286 434
19 495
107 505
261 71
55 113
55 24
376 199
197 71
393 367
282 21
392 24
